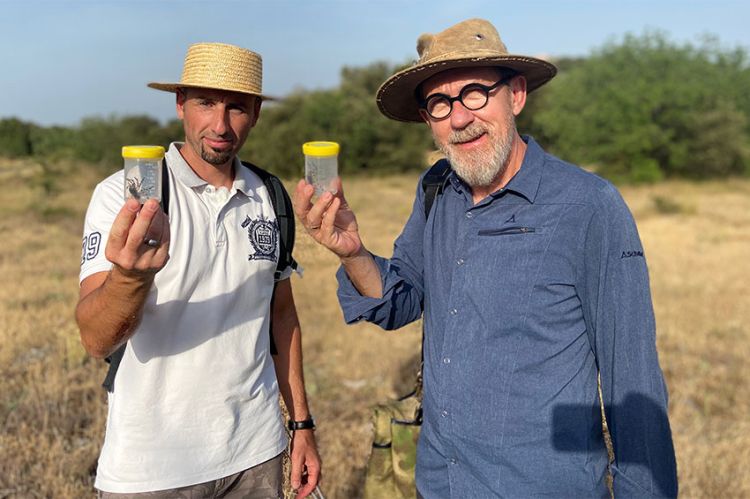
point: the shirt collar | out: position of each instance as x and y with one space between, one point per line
180 168
526 181
244 180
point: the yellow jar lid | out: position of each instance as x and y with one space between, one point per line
145 152
320 148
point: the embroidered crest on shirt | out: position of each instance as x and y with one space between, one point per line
263 235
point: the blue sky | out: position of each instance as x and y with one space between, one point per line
61 61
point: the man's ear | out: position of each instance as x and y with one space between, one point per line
180 102
517 94
256 109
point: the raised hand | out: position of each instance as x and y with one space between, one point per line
329 221
138 243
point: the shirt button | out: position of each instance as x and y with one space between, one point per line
453 460
444 414
469 214
210 189
460 261
446 360
453 311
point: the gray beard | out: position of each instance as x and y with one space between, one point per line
482 167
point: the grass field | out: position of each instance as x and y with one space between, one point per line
52 409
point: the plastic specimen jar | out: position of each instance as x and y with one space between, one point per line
143 166
321 165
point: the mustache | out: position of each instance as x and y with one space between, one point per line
471 132
226 136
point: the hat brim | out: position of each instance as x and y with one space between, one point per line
396 98
172 87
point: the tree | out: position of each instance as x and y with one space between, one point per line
15 138
100 140
348 115
647 109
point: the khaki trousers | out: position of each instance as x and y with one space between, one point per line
263 481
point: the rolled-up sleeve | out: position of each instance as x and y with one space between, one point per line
620 319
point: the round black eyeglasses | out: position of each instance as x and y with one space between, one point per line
473 97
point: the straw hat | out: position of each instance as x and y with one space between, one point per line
219 66
470 43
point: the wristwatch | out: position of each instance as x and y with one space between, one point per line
306 424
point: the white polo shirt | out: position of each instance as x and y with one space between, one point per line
195 396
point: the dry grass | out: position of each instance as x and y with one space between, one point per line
697 238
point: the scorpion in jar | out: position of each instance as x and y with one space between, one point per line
134 187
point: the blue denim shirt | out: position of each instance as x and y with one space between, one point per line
526 296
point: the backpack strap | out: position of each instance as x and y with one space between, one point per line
433 183
114 362
165 188
282 206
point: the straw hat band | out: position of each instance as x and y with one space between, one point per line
219 66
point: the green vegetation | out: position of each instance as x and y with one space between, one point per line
348 114
638 110
646 109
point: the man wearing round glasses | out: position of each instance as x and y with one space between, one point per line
532 283
477 135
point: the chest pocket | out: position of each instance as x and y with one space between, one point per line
508 231
513 255
514 252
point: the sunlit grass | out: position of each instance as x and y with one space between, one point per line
697 242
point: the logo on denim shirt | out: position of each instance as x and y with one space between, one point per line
631 254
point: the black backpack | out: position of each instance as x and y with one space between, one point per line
282 205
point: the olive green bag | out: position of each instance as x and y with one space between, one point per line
390 470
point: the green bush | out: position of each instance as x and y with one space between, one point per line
15 138
646 109
348 115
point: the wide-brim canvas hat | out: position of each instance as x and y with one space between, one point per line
219 66
470 43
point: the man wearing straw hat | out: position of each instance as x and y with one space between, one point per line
531 280
194 411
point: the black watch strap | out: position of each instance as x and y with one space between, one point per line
307 424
